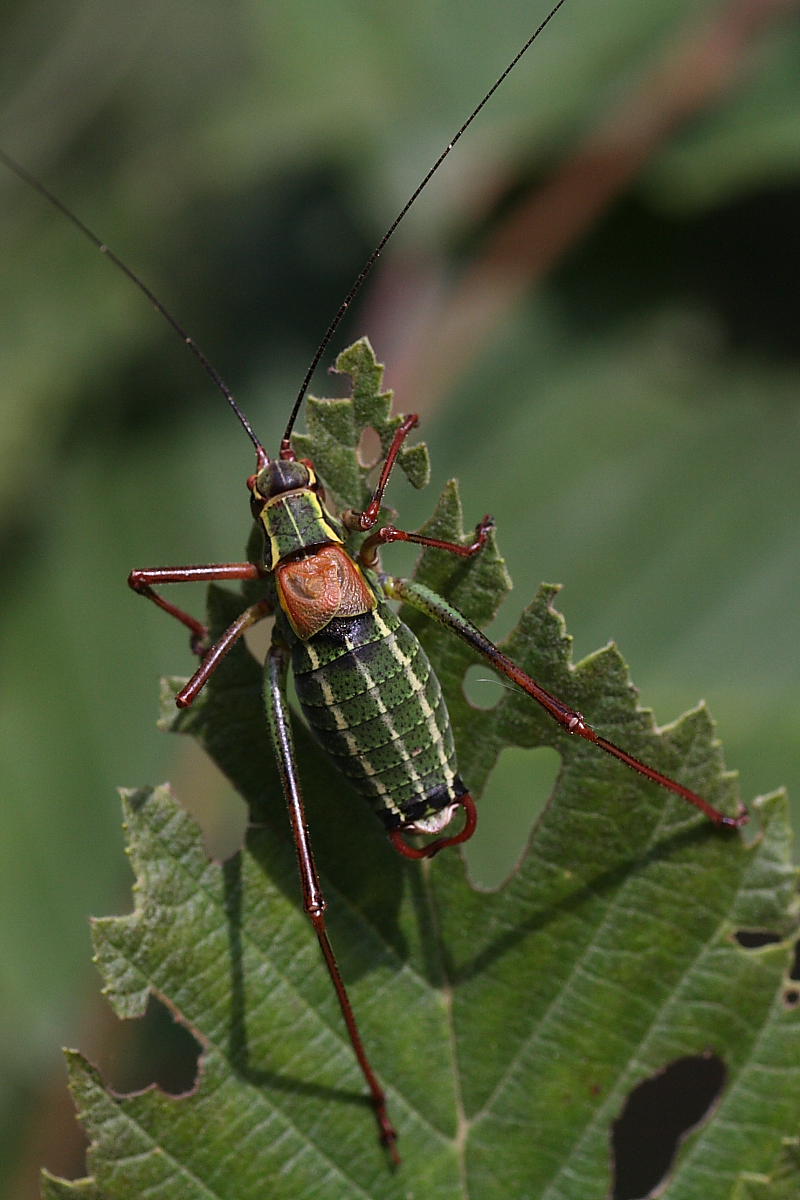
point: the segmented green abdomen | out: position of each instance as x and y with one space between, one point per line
371 697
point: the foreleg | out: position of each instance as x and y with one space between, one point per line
144 579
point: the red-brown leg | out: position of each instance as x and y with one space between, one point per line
313 899
388 533
569 718
214 654
363 521
144 579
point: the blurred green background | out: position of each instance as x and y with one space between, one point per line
618 386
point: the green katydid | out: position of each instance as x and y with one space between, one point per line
366 687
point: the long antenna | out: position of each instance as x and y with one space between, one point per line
376 253
122 266
21 173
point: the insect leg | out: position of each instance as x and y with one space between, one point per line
314 902
427 601
143 580
388 533
214 655
361 522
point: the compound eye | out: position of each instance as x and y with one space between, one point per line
263 482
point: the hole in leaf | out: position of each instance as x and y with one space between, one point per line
482 687
795 971
516 793
210 800
258 639
657 1116
370 452
155 1048
752 939
791 997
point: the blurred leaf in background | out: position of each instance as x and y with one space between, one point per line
610 259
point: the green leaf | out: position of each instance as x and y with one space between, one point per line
780 1184
509 1027
62 1189
335 428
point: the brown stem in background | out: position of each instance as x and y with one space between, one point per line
692 76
